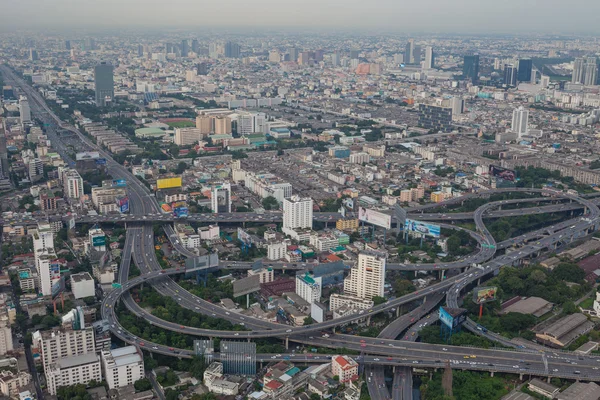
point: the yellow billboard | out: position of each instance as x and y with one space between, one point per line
167 183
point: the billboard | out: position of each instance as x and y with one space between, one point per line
247 285
424 228
503 173
167 183
124 207
374 217
484 294
194 264
119 182
452 317
101 161
244 236
98 241
400 214
181 212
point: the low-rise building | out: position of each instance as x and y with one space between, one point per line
82 285
565 330
122 366
11 383
345 368
72 371
543 388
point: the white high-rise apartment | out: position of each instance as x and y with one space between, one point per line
519 121
297 214
308 287
366 280
73 184
63 343
122 366
72 371
591 72
43 250
24 110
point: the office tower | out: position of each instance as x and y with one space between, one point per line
398 58
590 72
89 44
67 45
73 185
169 48
510 75
202 69
195 46
429 58
232 50
319 55
335 59
4 167
458 105
122 366
408 52
185 48
293 52
33 55
140 50
417 55
103 78
24 110
354 54
519 121
187 136
525 70
367 279
220 200
435 118
471 68
222 125
297 213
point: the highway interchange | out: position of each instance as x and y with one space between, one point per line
376 352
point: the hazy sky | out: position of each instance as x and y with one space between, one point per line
493 16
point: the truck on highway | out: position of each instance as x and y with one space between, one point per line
481 328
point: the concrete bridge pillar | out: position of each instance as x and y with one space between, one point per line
548 379
369 320
479 282
520 377
287 342
424 299
394 369
398 312
442 274
492 374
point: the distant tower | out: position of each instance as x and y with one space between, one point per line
578 70
103 78
510 75
232 50
140 50
417 55
471 68
185 48
408 51
519 121
590 71
67 45
33 55
429 58
525 69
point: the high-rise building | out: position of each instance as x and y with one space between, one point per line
68 45
168 48
24 110
297 214
72 371
122 366
202 69
335 59
544 81
590 72
185 48
238 358
274 56
195 46
308 287
458 106
525 70
4 167
63 343
89 44
36 169
293 52
471 68
519 121
220 199
367 279
429 58
187 136
232 50
33 55
417 55
354 54
140 50
408 52
73 184
435 118
578 70
45 258
510 75
104 81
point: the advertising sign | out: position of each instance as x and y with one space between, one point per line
168 183
181 212
506 174
484 294
400 214
423 228
247 285
98 241
374 217
101 161
119 182
123 208
244 236
446 318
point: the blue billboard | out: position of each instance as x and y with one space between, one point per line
101 161
446 318
124 207
180 212
424 228
119 182
452 318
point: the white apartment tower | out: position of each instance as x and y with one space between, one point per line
43 250
519 121
63 343
297 214
73 184
366 280
122 366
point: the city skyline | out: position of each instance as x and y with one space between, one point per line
381 15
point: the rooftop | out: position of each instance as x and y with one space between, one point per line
75 361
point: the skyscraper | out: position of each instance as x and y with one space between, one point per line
195 46
335 59
103 78
140 50
510 75
4 168
220 200
67 45
293 52
33 55
169 48
408 51
519 121
525 69
202 69
44 255
429 58
185 48
24 110
367 279
578 70
590 72
416 55
297 214
471 68
232 50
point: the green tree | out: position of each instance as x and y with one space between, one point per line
377 300
309 320
270 203
181 168
403 287
453 244
142 385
